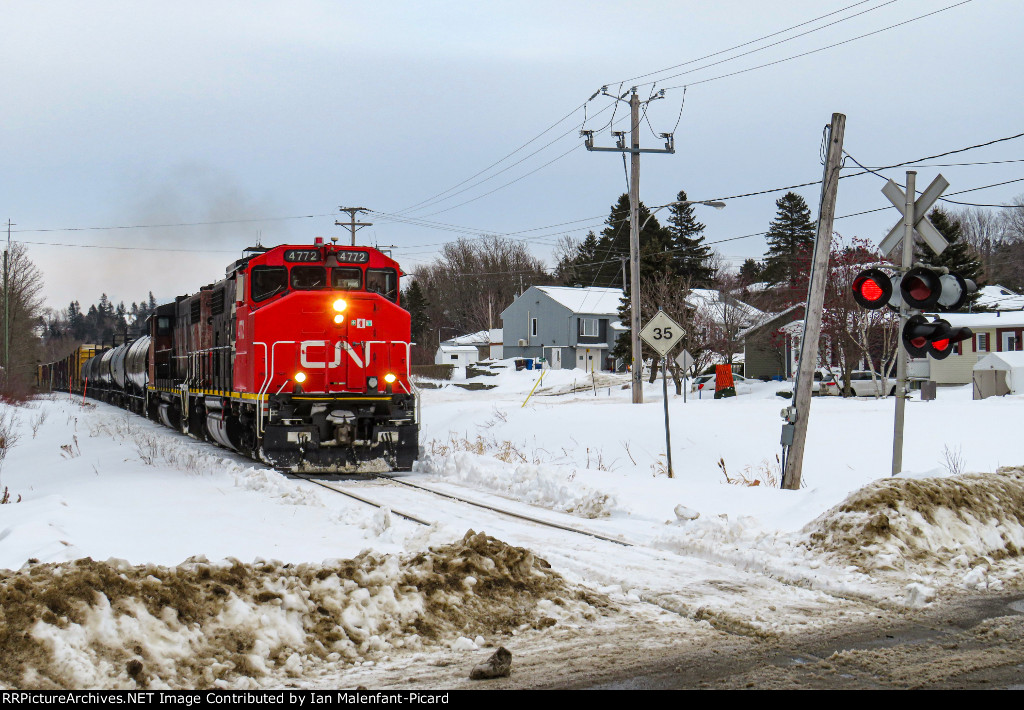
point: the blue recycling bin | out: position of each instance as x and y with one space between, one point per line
529 363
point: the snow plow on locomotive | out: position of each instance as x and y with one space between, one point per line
299 358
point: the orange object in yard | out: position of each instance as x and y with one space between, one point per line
723 377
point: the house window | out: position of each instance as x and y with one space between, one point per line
588 327
982 343
455 357
533 327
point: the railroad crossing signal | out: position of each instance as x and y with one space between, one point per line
936 338
923 203
661 333
922 288
872 289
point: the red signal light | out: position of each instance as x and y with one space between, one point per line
872 288
935 338
920 288
941 349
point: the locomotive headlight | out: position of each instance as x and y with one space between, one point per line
300 377
339 319
389 378
339 306
371 383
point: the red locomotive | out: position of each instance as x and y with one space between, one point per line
299 357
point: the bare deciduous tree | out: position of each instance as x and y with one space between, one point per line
24 303
474 280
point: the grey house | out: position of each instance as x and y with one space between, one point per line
568 327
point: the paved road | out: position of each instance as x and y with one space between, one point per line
971 643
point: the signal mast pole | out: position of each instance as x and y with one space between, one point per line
634 150
901 352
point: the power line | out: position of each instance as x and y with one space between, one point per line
740 46
769 46
178 224
444 195
873 170
432 201
499 161
822 49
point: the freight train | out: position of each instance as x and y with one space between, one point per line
299 357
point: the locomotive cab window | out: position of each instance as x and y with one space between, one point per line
384 282
309 278
268 281
345 278
163 325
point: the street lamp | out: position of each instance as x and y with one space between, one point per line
634 296
709 203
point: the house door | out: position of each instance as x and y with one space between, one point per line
555 358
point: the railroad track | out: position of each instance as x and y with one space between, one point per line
448 496
719 586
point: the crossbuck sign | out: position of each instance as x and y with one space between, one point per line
661 333
921 206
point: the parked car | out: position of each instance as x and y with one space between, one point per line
861 384
707 382
825 382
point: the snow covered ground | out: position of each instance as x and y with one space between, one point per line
207 570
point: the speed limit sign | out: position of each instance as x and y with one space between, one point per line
661 333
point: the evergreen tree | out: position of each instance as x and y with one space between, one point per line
76 321
690 255
790 241
957 257
655 245
655 258
751 271
580 266
415 301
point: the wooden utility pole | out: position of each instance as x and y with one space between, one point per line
636 369
798 415
352 224
636 360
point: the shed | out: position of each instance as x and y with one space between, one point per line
997 374
457 355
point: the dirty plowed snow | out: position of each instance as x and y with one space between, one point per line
200 624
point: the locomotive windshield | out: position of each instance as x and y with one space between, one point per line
267 281
308 278
384 282
345 278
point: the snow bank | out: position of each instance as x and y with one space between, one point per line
89 624
958 524
548 486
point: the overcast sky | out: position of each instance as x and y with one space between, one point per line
265 117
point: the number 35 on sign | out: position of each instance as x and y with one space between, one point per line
661 333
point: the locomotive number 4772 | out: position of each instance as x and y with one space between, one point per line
234 363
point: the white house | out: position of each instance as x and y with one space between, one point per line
1000 298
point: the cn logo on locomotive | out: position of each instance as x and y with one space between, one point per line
304 355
